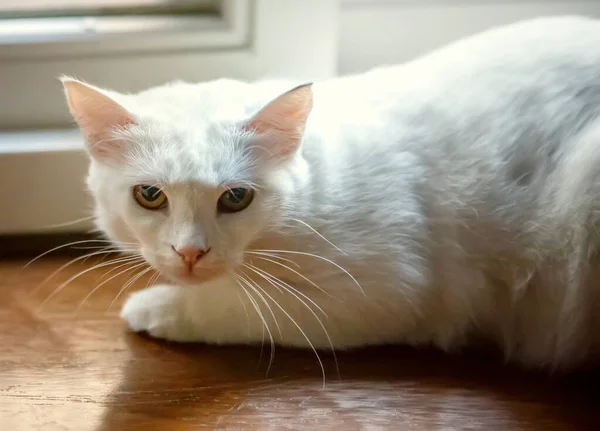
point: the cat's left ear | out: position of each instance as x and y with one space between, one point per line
282 122
98 116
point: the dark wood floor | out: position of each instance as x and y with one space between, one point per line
85 371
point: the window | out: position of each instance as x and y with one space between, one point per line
49 38
42 21
129 45
19 9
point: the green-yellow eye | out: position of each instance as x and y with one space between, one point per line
235 200
149 197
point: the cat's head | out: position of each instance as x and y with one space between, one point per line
186 175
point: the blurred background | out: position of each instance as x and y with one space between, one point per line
129 45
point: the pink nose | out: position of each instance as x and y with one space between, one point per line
190 255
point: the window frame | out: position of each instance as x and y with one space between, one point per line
110 35
258 39
251 39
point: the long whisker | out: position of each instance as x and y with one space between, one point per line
133 279
133 258
301 331
71 262
265 328
63 285
271 255
320 235
282 284
129 268
69 223
297 273
245 311
114 247
272 280
153 279
67 245
137 277
248 283
264 322
106 251
277 287
262 343
316 256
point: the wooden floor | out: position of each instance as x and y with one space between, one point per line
84 371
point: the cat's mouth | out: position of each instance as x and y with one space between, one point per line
195 276
180 272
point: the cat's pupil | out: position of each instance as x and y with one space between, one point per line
236 195
150 193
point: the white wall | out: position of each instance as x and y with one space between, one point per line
371 33
375 32
42 171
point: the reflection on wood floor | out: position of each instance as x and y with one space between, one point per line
84 371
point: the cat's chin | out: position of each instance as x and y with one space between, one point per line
199 276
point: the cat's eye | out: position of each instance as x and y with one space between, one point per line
235 200
149 197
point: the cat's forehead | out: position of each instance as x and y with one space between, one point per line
201 104
214 153
193 132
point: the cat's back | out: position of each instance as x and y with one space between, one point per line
458 87
479 127
536 79
523 44
521 49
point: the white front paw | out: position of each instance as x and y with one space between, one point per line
160 311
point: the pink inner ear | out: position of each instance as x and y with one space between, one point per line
283 121
97 116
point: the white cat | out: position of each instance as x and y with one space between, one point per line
454 196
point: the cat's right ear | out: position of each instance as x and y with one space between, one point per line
282 121
98 116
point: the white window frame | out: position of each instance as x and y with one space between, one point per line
250 39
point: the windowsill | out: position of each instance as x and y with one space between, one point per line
35 141
43 175
43 172
50 30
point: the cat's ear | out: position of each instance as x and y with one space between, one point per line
98 116
282 122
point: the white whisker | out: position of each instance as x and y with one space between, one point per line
129 283
115 248
282 284
321 236
264 322
272 280
297 273
63 285
273 256
248 283
63 246
71 262
69 223
106 251
129 268
301 331
153 279
245 311
133 259
316 256
70 244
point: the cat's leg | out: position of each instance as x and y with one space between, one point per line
213 313
221 312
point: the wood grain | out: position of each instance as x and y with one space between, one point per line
85 371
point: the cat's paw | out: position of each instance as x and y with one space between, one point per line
161 312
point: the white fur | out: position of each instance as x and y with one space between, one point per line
463 189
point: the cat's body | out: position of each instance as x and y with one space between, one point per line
456 195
